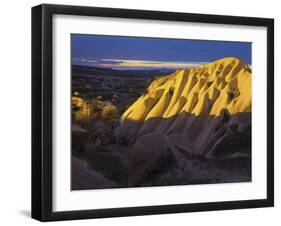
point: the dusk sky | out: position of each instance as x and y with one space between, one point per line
120 52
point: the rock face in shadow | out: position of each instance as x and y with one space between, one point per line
200 115
85 178
197 138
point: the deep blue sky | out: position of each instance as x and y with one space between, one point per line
98 47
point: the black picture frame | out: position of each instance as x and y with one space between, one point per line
42 111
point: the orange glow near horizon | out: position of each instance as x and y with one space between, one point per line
150 64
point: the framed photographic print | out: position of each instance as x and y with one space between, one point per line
145 112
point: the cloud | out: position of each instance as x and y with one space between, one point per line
140 64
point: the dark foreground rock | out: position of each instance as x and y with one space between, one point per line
85 178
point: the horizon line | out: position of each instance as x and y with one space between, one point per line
139 64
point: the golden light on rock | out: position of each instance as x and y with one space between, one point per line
205 90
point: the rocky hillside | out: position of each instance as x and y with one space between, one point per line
206 90
198 113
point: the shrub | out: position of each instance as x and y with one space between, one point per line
109 111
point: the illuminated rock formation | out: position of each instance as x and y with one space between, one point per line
192 112
206 90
